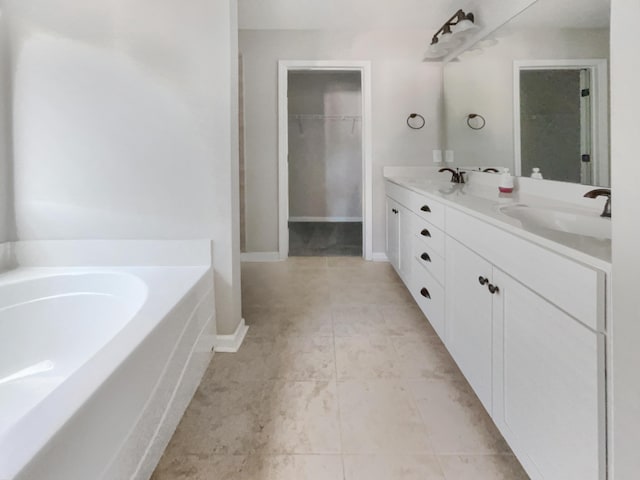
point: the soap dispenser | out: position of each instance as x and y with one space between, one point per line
506 181
536 174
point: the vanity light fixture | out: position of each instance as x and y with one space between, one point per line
450 35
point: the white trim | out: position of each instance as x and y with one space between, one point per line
600 112
231 343
260 257
364 67
379 257
325 219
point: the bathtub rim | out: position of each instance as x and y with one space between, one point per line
51 415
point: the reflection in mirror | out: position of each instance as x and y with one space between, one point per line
540 83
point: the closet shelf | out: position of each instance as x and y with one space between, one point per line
314 116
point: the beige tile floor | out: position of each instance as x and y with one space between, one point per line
340 377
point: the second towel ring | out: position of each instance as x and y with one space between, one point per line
415 121
477 124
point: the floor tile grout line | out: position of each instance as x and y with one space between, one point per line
335 365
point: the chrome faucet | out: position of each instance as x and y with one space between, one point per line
602 192
456 176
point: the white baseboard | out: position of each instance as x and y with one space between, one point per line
325 219
231 343
260 257
379 257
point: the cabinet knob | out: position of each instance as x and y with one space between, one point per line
425 208
425 233
493 289
425 293
394 210
425 256
483 280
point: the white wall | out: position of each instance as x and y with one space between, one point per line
6 174
483 83
325 154
401 84
123 125
625 104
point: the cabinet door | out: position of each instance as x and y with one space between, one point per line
393 233
469 317
549 385
406 244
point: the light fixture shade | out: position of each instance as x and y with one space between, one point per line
446 37
465 25
436 50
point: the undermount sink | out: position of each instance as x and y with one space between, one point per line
576 221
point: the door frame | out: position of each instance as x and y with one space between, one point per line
599 110
364 67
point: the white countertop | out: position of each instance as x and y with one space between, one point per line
484 201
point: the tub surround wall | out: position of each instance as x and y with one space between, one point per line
125 125
401 82
113 253
7 229
6 256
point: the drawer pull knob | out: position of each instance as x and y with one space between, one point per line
494 289
483 280
425 208
425 293
425 233
425 256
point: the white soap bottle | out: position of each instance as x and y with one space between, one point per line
536 174
506 181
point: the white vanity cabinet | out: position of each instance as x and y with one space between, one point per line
469 317
399 224
525 325
418 254
549 385
538 371
393 233
530 343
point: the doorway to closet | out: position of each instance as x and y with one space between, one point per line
325 203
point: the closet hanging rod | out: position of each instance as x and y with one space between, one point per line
324 117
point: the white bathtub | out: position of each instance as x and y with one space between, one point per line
97 366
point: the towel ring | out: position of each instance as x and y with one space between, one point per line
479 124
415 121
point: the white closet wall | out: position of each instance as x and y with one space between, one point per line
325 146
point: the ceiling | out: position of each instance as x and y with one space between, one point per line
565 14
344 14
407 14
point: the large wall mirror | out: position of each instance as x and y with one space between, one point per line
534 94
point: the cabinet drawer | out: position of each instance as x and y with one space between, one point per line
432 237
571 285
430 210
429 296
429 259
426 208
